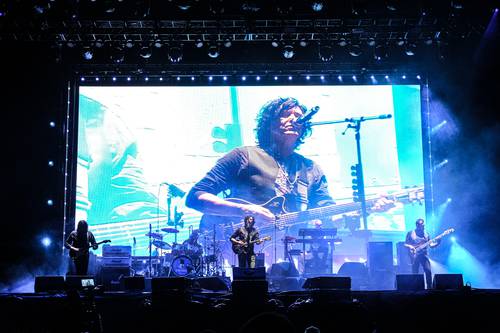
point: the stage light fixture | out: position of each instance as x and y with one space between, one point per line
308 77
210 78
288 51
114 79
117 55
145 52
128 78
51 163
158 43
129 44
184 4
97 79
175 54
342 42
303 41
354 78
250 6
50 202
317 5
456 4
87 54
258 78
198 43
178 78
192 78
71 44
322 77
449 200
82 79
52 124
146 79
275 78
403 77
325 53
99 43
418 77
371 42
161 79
355 50
290 78
243 78
380 52
453 239
391 5
46 241
386 77
275 42
213 51
228 42
339 78
410 49
224 78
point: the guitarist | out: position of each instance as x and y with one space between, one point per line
79 242
415 238
243 240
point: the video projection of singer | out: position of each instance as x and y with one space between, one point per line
141 149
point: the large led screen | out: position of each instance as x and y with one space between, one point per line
140 149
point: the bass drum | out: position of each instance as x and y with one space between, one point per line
184 266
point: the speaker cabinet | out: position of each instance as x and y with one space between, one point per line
161 284
283 269
257 273
328 282
410 282
380 257
79 281
448 281
51 283
134 283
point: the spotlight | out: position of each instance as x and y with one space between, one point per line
355 50
175 54
224 78
354 78
449 200
158 44
275 78
410 49
99 43
46 241
380 52
128 78
52 124
198 43
213 51
82 79
386 77
145 52
51 163
129 44
192 78
250 6
184 4
322 77
117 55
288 52
339 78
114 79
244 78
97 79
418 77
373 79
290 78
146 78
403 77
210 78
227 42
342 42
303 41
275 42
455 4
87 54
440 164
371 42
161 79
453 239
326 53
308 77
317 5
391 5
50 202
258 78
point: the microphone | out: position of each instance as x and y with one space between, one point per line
307 116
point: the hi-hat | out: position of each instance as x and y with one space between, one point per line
170 230
155 235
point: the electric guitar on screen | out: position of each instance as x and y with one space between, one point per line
242 248
83 251
285 219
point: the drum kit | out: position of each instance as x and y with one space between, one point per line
184 259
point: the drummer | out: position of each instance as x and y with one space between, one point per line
191 246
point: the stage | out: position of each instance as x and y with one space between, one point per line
292 311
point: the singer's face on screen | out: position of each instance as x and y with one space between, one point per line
286 129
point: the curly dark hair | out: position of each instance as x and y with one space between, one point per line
272 111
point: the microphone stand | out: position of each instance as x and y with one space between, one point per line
150 246
355 124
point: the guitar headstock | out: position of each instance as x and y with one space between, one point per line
448 231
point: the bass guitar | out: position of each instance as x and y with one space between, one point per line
83 251
242 248
415 250
284 219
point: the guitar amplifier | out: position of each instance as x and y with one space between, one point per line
116 251
116 262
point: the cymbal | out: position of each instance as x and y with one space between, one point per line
155 235
161 244
170 230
